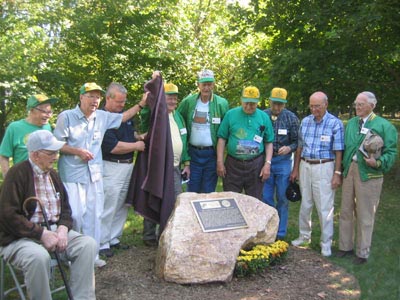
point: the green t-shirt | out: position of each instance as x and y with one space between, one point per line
13 144
246 134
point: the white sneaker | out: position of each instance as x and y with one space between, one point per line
326 252
301 241
99 263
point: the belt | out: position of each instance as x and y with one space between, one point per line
316 161
202 147
244 160
120 161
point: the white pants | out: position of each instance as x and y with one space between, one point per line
87 201
116 179
315 186
34 260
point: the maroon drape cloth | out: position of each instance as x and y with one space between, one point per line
151 190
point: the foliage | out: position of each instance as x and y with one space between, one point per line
258 258
55 46
341 47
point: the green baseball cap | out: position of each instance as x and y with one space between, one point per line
39 99
90 86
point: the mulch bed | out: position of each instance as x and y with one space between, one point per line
304 274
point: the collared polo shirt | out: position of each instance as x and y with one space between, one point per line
79 132
320 139
246 134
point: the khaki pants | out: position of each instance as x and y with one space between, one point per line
316 188
360 201
34 261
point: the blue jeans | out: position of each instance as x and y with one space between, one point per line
276 185
203 170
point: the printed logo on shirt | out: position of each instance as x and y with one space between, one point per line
247 147
200 117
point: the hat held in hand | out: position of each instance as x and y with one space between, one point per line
373 144
293 192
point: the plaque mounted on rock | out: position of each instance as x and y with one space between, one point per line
219 214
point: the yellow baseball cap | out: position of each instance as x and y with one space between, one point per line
170 89
278 95
250 94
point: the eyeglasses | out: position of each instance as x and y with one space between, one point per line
93 97
318 106
357 104
47 112
49 153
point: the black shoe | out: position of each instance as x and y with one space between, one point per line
120 246
359 260
106 252
150 243
342 253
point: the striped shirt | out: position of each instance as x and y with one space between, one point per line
320 139
47 195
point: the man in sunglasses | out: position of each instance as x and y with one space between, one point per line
13 144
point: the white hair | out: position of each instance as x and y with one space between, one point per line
371 98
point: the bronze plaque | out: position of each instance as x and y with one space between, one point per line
219 214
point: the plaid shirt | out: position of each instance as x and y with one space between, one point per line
319 140
286 128
47 194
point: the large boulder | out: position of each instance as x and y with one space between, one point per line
186 254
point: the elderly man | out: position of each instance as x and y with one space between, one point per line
286 127
317 164
363 177
249 133
181 156
203 113
25 242
118 148
13 143
81 161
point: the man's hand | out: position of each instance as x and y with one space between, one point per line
49 240
186 170
85 155
370 161
221 171
265 172
294 175
62 233
284 150
140 146
336 181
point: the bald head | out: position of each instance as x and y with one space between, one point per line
318 104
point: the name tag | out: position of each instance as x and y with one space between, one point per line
183 131
258 138
364 130
325 138
96 135
216 120
282 131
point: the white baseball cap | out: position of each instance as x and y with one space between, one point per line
43 140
